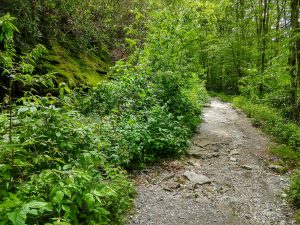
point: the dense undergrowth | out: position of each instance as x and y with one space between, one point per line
63 155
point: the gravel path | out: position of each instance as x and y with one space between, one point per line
226 179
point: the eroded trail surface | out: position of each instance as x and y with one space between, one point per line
226 179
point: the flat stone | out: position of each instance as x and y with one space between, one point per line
233 159
197 178
284 195
234 152
166 188
247 167
215 154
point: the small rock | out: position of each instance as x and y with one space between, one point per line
198 200
284 195
171 185
167 188
247 167
197 178
196 155
234 152
233 159
247 217
215 154
188 195
276 168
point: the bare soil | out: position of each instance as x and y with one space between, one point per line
239 186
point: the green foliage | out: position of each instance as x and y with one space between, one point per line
52 169
153 105
294 190
89 22
58 161
7 30
83 37
289 156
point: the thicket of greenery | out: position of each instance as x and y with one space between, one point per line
63 154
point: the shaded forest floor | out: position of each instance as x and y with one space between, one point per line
228 178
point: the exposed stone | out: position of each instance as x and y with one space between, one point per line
234 152
233 159
197 178
247 167
215 154
284 195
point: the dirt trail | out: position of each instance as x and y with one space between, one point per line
225 181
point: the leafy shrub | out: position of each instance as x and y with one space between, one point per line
52 170
57 162
153 104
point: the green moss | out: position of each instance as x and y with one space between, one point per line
76 67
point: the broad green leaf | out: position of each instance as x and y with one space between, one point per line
17 217
36 204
